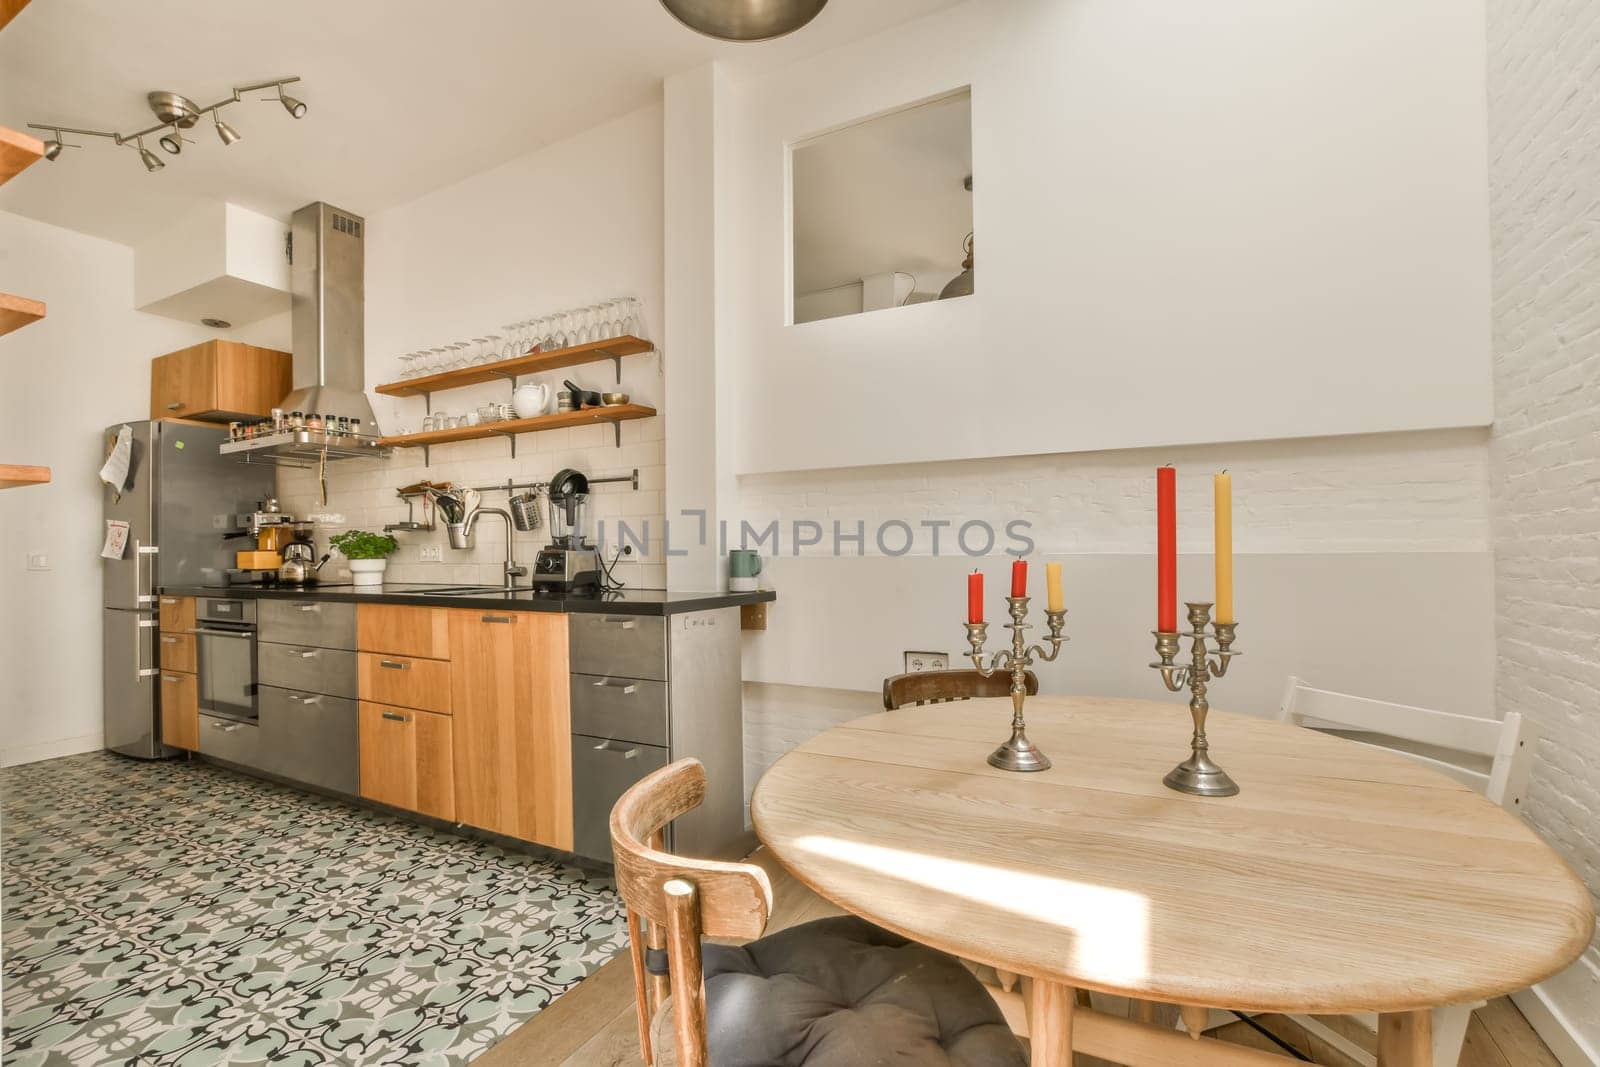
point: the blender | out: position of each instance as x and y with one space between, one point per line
570 560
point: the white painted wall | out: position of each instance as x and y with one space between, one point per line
1246 219
62 380
560 227
1544 126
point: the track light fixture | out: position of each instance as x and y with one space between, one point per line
227 134
176 114
152 162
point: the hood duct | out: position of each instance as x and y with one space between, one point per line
327 307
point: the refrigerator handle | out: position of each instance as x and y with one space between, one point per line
140 625
139 551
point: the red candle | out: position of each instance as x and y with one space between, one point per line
1166 550
1019 578
975 596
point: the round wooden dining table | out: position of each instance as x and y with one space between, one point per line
1342 878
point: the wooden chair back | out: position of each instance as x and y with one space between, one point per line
674 901
937 687
1498 751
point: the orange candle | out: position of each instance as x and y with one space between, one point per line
1019 578
1166 550
975 597
1223 486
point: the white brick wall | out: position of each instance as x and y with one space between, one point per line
1402 492
1544 172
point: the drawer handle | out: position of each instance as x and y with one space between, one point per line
395 716
392 665
169 640
171 602
225 727
497 618
628 688
300 699
605 746
170 678
309 653
176 405
624 623
309 607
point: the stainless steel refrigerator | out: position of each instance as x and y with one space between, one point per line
180 497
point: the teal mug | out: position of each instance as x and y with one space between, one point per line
743 566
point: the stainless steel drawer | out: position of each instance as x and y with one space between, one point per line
306 667
627 709
311 738
231 740
602 771
621 646
312 623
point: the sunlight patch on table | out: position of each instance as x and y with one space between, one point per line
1112 926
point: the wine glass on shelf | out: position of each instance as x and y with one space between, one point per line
615 314
632 322
407 366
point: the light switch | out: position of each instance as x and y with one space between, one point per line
38 561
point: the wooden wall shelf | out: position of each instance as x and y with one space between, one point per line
615 416
18 151
14 477
18 311
534 363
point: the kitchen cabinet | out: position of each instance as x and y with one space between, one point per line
177 614
511 726
180 710
409 681
404 631
178 653
219 381
406 760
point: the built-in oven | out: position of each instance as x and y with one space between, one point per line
225 640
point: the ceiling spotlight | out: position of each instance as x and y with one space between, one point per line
172 142
226 133
744 20
53 147
296 108
152 162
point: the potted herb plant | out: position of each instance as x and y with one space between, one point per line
368 554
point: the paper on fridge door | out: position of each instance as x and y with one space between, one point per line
116 545
115 471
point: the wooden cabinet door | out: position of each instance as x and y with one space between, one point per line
509 694
406 761
183 384
403 631
180 710
220 381
177 614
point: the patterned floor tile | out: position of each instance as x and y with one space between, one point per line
178 913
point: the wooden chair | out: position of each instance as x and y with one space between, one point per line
1488 755
936 687
673 902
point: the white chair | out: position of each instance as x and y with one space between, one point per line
1488 755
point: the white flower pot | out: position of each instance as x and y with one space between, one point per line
367 571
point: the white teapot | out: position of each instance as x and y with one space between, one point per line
531 400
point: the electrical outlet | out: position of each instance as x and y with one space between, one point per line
917 662
38 561
432 554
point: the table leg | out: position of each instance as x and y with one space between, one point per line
1050 1008
1405 1039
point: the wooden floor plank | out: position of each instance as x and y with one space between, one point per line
1513 1036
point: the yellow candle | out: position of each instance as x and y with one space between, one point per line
1223 484
1052 575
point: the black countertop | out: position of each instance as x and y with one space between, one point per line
624 602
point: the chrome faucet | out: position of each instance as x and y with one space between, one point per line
513 571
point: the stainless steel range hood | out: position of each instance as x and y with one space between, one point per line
327 307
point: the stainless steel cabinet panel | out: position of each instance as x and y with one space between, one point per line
621 646
306 667
231 740
311 738
606 769
627 709
309 623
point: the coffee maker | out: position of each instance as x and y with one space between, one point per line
570 560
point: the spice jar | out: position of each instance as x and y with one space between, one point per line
297 420
314 422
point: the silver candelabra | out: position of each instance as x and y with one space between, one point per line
1019 753
1198 774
